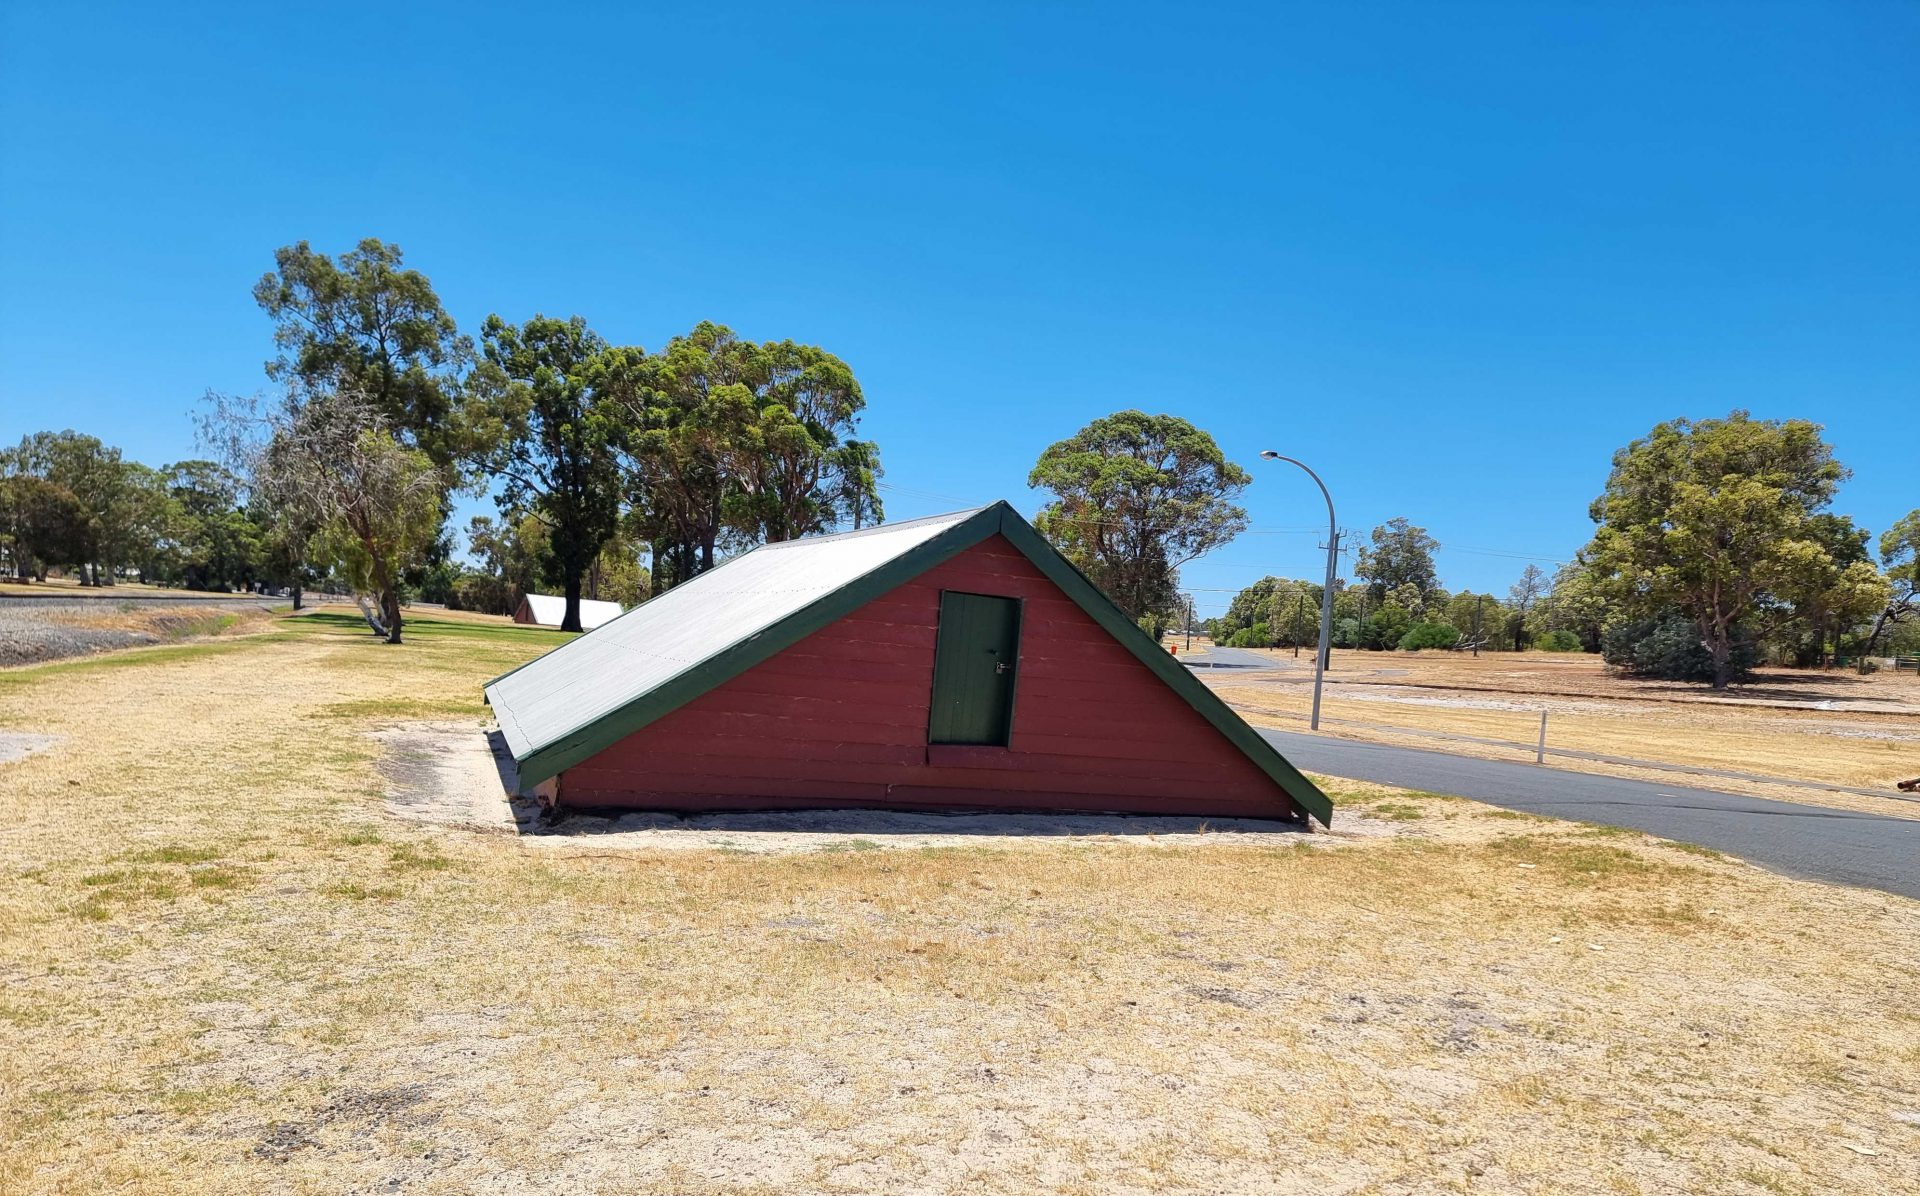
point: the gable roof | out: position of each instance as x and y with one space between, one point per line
550 610
590 693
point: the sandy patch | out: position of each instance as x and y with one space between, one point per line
18 745
449 773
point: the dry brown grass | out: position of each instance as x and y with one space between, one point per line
1576 674
222 969
1502 700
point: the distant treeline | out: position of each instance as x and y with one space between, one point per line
600 456
1714 553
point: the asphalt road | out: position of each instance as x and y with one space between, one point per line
1869 850
1240 658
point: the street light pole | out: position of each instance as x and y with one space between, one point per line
1326 591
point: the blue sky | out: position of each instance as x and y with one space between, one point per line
1453 255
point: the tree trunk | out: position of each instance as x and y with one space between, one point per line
1720 648
570 621
390 604
296 596
1879 625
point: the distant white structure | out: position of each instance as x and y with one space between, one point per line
547 610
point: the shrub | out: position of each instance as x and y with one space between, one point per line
1256 636
1559 641
1669 647
1429 635
481 592
1385 626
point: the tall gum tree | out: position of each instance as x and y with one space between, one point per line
681 419
1135 497
549 438
366 325
1712 517
1400 555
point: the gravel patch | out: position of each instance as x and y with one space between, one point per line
37 629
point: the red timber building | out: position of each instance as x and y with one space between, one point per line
951 663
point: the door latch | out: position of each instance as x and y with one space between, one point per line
1001 666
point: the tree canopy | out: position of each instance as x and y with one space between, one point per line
1711 517
548 435
363 322
1135 497
1400 555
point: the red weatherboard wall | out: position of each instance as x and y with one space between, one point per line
840 720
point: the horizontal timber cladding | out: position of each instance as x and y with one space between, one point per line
841 719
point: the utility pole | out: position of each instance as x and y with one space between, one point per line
1299 609
1189 623
1477 600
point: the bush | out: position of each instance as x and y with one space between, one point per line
1668 647
1429 635
1256 636
481 592
1384 627
1559 641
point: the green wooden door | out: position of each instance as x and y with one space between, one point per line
974 664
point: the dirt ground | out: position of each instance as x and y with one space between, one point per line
1856 735
228 963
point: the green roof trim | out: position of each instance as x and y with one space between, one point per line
589 740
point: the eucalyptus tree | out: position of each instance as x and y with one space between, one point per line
1521 599
40 525
1900 557
682 415
548 435
326 459
1400 555
363 324
1713 518
858 474
1135 497
120 505
214 544
796 471
729 441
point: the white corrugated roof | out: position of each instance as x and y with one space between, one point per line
585 680
550 610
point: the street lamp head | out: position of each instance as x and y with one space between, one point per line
1269 454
